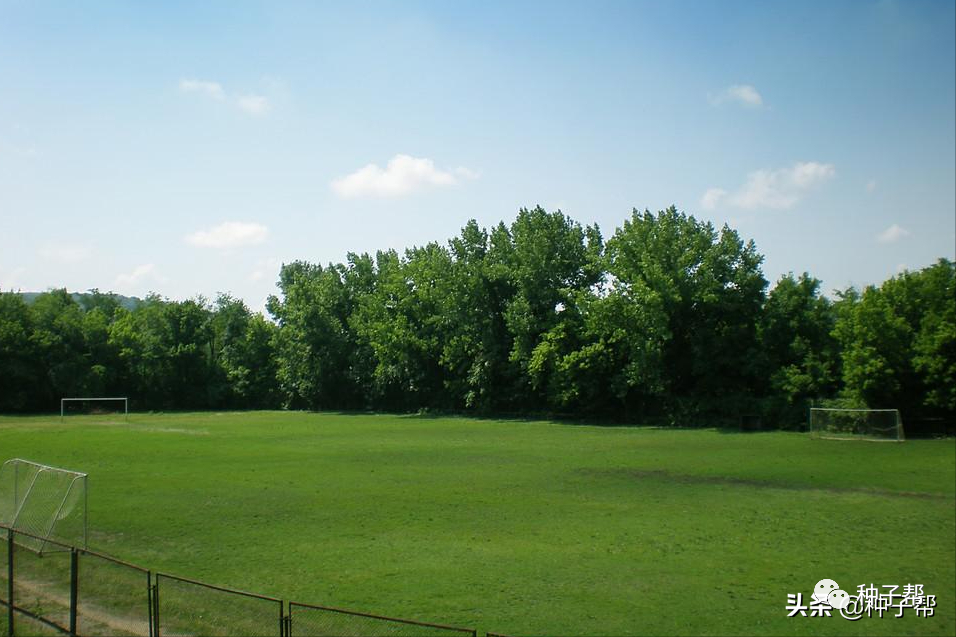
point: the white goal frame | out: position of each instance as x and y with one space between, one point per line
45 532
825 435
125 400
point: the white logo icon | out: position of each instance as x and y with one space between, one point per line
838 598
821 592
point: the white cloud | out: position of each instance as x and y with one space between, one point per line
743 94
253 104
403 175
466 173
775 189
140 274
209 89
892 234
231 234
871 185
63 253
712 198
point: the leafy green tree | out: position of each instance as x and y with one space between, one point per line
20 370
550 259
897 342
477 344
934 347
709 286
314 340
796 340
402 320
165 348
244 356
57 340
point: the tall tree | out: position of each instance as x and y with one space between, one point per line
797 343
550 260
314 340
21 370
709 286
897 342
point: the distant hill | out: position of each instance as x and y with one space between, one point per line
127 302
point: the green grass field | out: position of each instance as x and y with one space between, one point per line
517 527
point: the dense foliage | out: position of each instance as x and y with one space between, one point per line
669 320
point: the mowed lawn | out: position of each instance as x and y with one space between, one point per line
518 527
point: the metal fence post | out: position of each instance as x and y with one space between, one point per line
74 582
156 608
10 582
149 601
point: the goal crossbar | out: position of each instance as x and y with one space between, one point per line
64 401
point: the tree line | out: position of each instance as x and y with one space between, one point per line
667 321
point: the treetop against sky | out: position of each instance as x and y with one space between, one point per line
193 149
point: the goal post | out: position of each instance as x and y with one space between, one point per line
48 503
80 401
856 424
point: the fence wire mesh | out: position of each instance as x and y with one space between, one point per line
186 607
41 584
112 597
308 619
35 627
67 589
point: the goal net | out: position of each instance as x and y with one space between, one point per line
95 406
46 502
856 424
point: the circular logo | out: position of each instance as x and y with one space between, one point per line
823 589
838 599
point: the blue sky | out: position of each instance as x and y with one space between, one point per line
190 148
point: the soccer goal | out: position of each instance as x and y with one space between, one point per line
49 503
856 424
99 406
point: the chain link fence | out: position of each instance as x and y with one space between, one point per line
308 619
187 607
41 583
75 591
113 597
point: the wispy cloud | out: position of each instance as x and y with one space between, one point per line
248 103
231 234
140 274
403 175
775 189
871 185
253 104
209 89
892 234
712 198
743 94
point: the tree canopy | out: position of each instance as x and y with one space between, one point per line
667 320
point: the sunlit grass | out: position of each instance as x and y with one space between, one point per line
518 527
